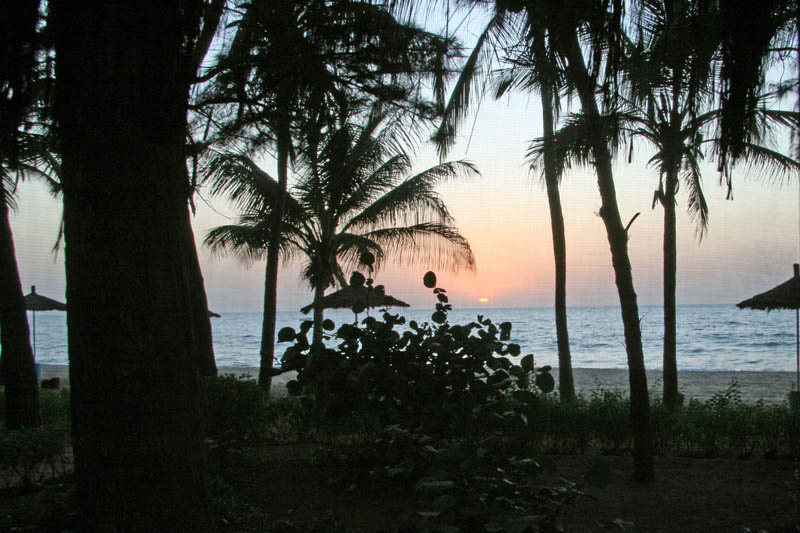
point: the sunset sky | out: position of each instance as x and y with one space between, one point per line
750 245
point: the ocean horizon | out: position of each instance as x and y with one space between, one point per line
710 337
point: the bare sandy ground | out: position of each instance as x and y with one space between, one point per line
771 387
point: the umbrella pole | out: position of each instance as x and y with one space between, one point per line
797 344
34 335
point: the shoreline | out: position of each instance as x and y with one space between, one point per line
769 387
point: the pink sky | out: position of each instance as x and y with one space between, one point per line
750 245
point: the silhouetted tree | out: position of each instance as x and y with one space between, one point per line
534 67
595 27
123 74
353 195
674 105
351 49
18 75
598 25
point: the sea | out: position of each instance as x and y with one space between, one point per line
709 337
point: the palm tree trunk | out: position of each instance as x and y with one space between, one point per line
137 430
670 365
319 314
17 365
273 253
566 384
618 242
203 342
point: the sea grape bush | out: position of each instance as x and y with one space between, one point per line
438 375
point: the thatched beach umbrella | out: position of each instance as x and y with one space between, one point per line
36 302
784 296
352 295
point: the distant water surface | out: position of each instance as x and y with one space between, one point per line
710 337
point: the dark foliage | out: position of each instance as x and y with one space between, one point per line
441 377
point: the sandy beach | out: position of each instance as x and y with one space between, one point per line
771 387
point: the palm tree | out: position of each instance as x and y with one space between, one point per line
601 23
534 67
353 195
753 35
16 364
19 77
573 29
137 427
674 107
353 47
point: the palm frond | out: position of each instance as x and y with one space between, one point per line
387 176
350 246
572 143
246 185
248 240
412 201
434 245
477 65
8 187
769 164
697 207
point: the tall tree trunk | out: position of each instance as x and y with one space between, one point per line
212 13
566 384
268 321
618 242
273 252
319 314
18 42
121 97
670 364
17 367
204 342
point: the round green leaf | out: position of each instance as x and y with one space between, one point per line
293 387
505 331
429 279
328 324
527 363
513 349
439 317
286 334
545 382
357 279
367 258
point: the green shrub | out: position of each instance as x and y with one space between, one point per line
55 408
445 378
608 413
29 456
235 411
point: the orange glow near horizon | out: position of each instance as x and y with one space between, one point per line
483 300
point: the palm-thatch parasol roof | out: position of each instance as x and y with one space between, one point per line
37 302
351 295
784 296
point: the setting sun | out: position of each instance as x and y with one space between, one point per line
483 300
